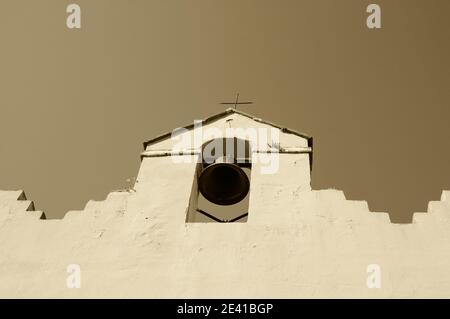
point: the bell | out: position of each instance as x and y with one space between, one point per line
223 182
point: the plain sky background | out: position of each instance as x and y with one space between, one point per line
76 105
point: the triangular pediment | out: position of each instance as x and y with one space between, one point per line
235 121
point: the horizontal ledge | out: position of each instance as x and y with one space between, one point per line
289 150
169 153
162 153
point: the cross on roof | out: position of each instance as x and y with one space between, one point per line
236 103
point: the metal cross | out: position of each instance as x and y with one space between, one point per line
236 103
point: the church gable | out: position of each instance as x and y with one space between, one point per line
238 124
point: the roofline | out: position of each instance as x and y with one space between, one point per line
223 114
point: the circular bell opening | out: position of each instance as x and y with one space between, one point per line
224 183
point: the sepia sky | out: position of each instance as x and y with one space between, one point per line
76 105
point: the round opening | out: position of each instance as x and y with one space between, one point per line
224 184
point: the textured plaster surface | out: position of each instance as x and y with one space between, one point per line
296 243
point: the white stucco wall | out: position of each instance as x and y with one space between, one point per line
297 243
